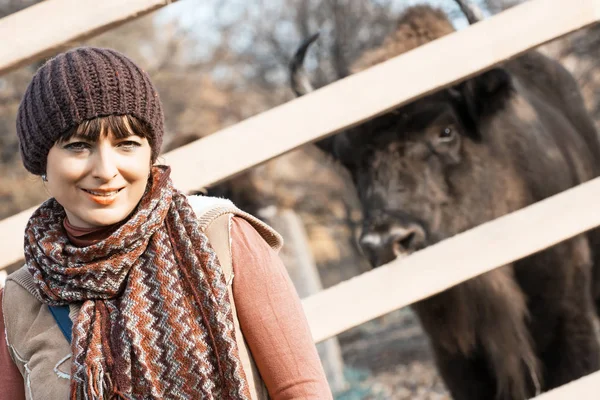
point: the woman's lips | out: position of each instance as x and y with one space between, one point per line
103 197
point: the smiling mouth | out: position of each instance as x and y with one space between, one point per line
102 193
102 197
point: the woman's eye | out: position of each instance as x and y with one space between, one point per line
129 144
77 146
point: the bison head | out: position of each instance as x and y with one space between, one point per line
417 167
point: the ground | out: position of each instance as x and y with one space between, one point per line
390 358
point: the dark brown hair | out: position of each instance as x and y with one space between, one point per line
121 127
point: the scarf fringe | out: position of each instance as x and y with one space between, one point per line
97 385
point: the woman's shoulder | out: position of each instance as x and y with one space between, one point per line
208 209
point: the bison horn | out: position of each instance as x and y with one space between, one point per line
299 81
472 12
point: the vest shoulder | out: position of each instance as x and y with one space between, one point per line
208 209
204 204
21 304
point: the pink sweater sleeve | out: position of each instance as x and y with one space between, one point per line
273 321
11 380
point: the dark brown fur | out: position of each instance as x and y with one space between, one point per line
240 189
518 134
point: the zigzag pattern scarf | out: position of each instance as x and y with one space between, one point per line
155 319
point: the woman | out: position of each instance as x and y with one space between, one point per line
144 272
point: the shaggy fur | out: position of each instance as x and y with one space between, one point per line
415 27
460 157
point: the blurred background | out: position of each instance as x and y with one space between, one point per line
217 62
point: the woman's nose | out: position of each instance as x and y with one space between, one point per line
105 166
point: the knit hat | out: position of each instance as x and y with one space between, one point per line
78 85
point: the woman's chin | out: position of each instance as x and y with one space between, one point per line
100 218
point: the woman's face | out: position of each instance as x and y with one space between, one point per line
99 182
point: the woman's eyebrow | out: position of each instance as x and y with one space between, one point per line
75 137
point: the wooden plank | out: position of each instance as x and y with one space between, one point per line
2 278
452 261
12 233
584 388
372 92
52 25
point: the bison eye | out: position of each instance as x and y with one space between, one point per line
446 134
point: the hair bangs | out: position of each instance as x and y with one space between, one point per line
121 127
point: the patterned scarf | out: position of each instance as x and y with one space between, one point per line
155 319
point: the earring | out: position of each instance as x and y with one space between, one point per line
44 178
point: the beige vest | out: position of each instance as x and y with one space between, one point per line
42 353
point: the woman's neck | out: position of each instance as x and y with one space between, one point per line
82 237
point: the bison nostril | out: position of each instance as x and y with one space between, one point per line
405 242
408 239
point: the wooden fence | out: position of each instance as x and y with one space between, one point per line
327 111
49 26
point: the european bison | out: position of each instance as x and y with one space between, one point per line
490 145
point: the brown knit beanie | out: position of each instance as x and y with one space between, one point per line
81 84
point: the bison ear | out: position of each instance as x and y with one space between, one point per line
338 147
481 96
327 145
